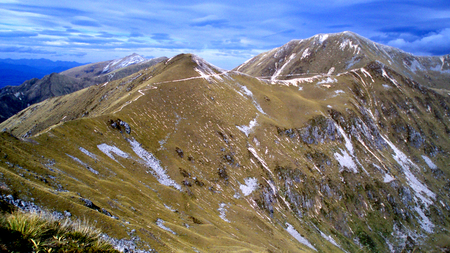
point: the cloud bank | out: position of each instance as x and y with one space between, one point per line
226 34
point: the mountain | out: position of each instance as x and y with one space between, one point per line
340 52
15 72
185 157
16 98
102 68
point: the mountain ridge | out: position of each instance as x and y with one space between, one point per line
342 52
15 98
183 156
15 72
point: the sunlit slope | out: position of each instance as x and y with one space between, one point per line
189 158
339 52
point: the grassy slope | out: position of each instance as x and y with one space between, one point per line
200 117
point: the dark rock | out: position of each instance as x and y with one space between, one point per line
223 173
184 172
179 152
90 204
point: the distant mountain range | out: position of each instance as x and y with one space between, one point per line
15 72
341 52
15 98
329 144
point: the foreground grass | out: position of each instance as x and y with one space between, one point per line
42 232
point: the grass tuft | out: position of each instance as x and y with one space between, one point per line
43 232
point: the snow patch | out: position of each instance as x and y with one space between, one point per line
429 162
388 178
348 43
251 184
415 65
305 54
205 70
170 208
150 160
345 160
322 37
249 93
294 233
278 72
160 223
124 62
88 153
422 191
328 80
327 237
424 221
222 210
384 74
332 69
83 164
367 74
110 150
247 129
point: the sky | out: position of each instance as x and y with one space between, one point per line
225 33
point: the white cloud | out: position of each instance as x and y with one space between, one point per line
435 43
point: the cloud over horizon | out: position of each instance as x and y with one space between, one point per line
225 34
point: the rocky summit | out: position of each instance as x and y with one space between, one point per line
329 144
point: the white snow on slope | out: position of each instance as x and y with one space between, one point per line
384 74
424 221
160 223
422 191
328 80
247 129
388 178
346 159
367 74
278 72
348 43
88 153
327 237
250 185
415 65
150 160
110 150
205 70
429 162
305 53
249 94
124 62
322 37
83 164
291 230
222 210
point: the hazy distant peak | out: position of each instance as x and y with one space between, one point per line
124 62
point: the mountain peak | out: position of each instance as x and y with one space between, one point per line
124 62
342 52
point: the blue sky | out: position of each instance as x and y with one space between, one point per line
225 33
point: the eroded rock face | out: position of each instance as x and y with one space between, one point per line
118 124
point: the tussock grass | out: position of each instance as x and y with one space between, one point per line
43 232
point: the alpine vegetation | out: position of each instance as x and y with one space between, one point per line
328 144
